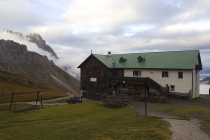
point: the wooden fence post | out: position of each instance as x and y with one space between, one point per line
37 98
11 102
41 102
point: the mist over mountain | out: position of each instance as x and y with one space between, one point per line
37 39
205 80
37 44
204 73
16 58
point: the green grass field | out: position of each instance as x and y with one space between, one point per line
12 82
89 121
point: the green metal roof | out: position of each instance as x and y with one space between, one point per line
152 60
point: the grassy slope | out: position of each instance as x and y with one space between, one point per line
11 82
88 120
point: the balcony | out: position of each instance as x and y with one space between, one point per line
199 67
136 80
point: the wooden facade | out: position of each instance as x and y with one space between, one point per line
94 75
97 78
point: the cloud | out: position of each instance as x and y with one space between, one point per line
18 15
74 28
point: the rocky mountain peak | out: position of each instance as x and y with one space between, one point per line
11 46
37 39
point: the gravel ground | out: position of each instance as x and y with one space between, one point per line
186 130
182 129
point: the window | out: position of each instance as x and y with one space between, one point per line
84 84
130 85
180 74
93 72
140 59
99 85
102 72
103 85
122 59
95 85
136 73
90 62
164 73
172 88
85 72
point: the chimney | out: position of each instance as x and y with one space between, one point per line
109 53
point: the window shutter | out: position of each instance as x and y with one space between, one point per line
167 74
162 73
133 73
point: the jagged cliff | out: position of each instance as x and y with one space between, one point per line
37 39
16 58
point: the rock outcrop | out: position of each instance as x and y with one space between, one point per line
16 58
37 39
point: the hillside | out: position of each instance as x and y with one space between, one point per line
12 82
15 57
205 80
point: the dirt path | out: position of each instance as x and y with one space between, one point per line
186 130
182 129
44 101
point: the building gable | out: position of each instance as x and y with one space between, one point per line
87 60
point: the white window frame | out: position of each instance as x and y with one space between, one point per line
138 73
165 74
172 88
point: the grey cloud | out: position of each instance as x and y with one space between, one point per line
20 15
112 35
70 39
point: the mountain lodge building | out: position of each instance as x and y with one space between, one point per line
160 72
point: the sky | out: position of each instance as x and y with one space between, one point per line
75 27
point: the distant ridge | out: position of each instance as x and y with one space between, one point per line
205 80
